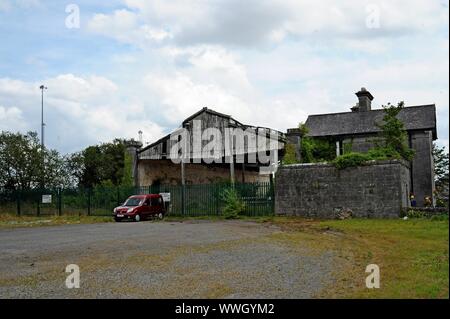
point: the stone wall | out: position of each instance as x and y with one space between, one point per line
422 166
166 172
359 144
376 190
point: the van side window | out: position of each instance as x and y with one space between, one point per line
156 201
147 202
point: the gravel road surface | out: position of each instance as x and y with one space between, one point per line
191 259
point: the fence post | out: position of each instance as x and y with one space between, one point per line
183 198
89 201
59 193
18 201
217 193
272 194
38 212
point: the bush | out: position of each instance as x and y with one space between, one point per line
353 159
412 213
234 206
317 150
350 160
289 156
383 154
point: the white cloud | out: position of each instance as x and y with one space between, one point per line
11 119
257 22
213 77
348 18
14 87
180 97
126 26
78 111
211 64
71 87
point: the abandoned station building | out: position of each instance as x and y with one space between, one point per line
154 165
352 131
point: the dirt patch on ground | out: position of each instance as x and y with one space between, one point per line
195 259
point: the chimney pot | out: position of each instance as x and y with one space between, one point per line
365 100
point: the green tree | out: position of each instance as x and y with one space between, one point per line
441 174
104 164
318 149
19 160
76 167
127 178
234 206
289 154
92 166
113 155
393 134
24 164
57 172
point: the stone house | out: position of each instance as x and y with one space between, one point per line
357 129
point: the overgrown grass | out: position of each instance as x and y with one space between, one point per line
14 221
412 254
354 159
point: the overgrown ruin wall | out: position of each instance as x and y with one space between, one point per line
376 190
167 173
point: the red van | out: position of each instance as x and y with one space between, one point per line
140 207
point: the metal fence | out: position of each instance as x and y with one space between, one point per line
190 200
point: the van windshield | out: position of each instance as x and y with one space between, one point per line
133 201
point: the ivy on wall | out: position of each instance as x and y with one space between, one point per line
318 149
289 155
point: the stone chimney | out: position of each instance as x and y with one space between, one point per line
365 100
132 148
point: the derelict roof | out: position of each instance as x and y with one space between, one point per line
193 116
205 109
422 117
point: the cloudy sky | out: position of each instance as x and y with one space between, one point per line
133 65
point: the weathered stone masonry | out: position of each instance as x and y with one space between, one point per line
165 172
357 130
379 189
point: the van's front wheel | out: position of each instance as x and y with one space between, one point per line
137 218
160 216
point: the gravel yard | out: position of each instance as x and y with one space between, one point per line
191 259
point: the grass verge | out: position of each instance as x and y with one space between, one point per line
412 254
14 221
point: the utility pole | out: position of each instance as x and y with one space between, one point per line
231 154
183 168
42 87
